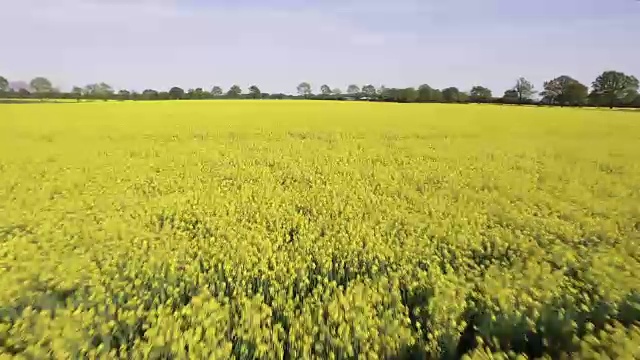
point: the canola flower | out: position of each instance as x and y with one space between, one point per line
318 230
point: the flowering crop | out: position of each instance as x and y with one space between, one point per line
274 229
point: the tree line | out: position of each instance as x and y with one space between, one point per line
610 89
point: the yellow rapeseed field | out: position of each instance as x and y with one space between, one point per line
329 230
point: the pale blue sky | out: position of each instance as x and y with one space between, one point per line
138 44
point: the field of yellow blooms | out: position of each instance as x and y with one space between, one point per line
326 230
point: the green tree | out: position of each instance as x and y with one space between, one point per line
234 92
576 93
336 91
436 95
41 85
564 90
553 89
387 94
176 93
525 90
254 92
197 94
325 90
480 94
451 94
304 89
369 91
124 94
98 91
353 89
613 86
511 96
89 90
105 89
408 95
76 92
425 93
216 91
630 98
4 84
149 94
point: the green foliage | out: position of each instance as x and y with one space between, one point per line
480 94
564 90
304 89
300 230
612 86
216 91
176 93
234 92
4 84
451 94
524 90
325 90
254 92
369 91
41 85
353 89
